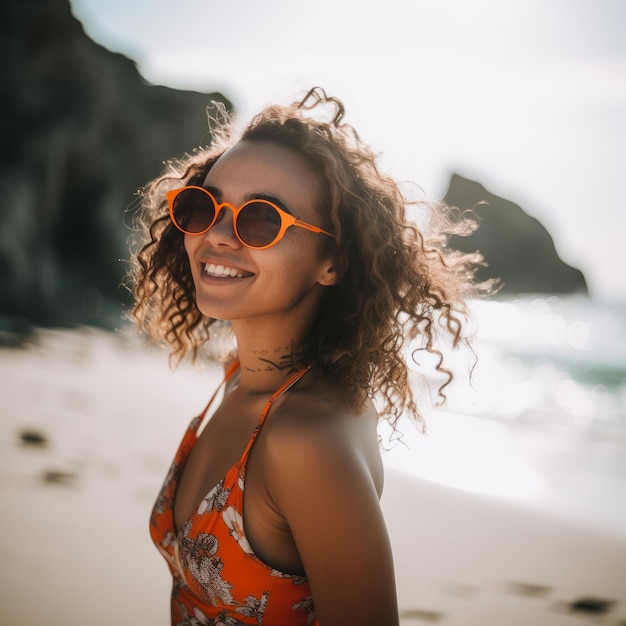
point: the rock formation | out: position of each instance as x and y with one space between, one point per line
80 132
516 247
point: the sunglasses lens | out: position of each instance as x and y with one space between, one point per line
258 224
193 210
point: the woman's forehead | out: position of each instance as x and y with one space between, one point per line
252 166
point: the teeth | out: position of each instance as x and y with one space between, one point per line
221 271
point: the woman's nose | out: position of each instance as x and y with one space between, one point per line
223 231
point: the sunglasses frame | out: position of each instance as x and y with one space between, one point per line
286 219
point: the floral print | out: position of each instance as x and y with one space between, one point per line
234 523
217 578
254 608
216 498
198 557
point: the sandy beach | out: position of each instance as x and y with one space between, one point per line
89 423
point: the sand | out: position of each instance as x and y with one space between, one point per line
75 549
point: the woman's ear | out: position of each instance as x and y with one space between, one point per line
328 276
333 270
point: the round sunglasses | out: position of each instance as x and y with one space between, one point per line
258 224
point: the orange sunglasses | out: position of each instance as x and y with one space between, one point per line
258 224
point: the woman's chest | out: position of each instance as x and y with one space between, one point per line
218 447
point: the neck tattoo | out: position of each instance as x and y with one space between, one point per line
273 360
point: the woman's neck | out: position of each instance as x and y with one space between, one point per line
266 359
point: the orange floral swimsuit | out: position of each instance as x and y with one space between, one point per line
217 578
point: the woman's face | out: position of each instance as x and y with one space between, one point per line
234 282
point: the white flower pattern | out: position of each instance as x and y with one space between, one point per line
233 520
199 557
215 499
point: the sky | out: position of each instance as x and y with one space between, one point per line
527 97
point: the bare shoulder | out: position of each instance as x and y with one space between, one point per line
315 433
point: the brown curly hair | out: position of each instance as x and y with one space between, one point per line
399 287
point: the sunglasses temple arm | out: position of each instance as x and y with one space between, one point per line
314 229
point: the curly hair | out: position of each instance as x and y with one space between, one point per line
399 285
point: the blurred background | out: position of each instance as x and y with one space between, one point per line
512 509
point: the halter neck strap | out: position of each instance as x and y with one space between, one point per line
229 372
288 384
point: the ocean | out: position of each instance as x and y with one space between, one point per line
560 361
537 414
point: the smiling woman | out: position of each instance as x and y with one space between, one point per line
289 233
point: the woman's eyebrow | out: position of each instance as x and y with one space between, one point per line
214 191
217 194
273 199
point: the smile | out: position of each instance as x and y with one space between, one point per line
221 271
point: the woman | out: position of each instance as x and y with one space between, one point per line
289 233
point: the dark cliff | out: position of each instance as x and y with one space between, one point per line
517 247
80 132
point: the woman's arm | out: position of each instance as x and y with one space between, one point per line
321 482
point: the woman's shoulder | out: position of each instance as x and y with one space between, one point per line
320 409
314 430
